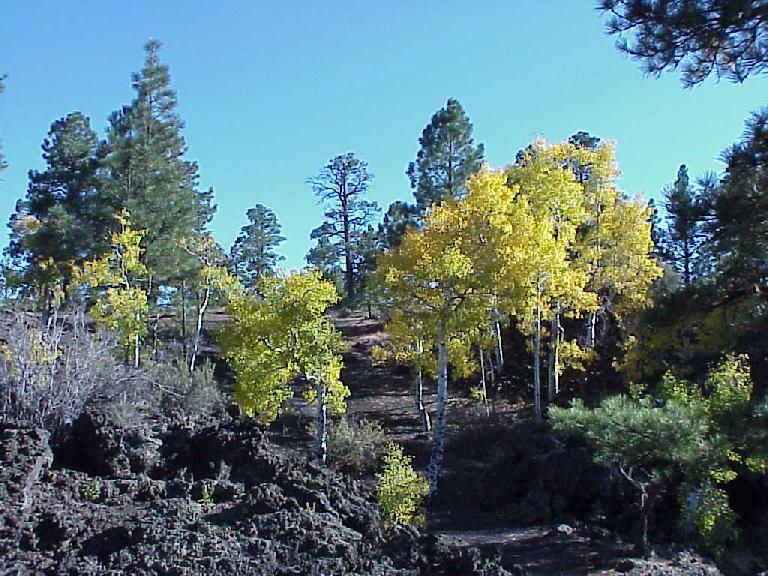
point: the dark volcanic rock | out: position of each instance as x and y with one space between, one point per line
172 498
168 497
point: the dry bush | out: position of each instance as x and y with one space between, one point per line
195 393
355 445
48 373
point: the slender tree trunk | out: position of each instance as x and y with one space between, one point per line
537 359
499 347
136 345
438 443
589 341
184 343
646 503
201 309
483 386
556 330
321 439
493 386
645 509
150 299
426 425
349 273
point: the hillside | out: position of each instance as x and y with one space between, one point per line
166 494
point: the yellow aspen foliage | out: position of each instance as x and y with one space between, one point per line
121 304
400 490
282 335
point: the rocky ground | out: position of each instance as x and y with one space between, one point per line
163 494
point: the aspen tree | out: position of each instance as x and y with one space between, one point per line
213 278
429 267
615 244
451 269
119 275
554 202
411 343
283 335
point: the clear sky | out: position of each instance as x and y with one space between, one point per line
271 90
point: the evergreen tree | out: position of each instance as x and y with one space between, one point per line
727 37
685 226
740 228
341 186
63 220
149 176
397 219
253 253
326 257
447 158
584 141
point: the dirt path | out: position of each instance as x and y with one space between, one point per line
383 393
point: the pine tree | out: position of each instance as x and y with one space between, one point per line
341 185
740 227
149 176
447 158
63 221
685 221
397 219
253 253
700 37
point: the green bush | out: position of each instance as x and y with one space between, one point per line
400 490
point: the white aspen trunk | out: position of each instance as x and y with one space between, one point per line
426 425
589 341
438 444
483 386
493 387
499 347
321 439
201 309
537 359
184 343
136 350
556 330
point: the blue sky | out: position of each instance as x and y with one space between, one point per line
270 91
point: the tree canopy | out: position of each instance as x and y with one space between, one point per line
726 37
253 253
341 186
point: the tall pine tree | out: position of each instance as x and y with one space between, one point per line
150 177
64 220
341 185
741 209
685 226
253 253
447 158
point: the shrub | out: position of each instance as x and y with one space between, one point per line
399 489
355 445
195 393
47 374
